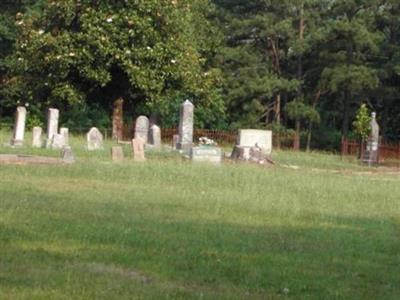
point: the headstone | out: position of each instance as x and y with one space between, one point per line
94 139
255 137
19 127
138 149
65 132
175 141
142 128
67 155
117 153
155 136
37 137
186 127
370 155
52 125
206 154
58 141
117 119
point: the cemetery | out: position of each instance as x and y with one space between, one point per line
199 149
190 218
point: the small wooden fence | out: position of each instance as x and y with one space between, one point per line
387 151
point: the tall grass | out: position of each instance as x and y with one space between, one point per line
169 229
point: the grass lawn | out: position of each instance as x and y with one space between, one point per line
170 229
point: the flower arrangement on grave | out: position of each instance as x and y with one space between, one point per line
205 141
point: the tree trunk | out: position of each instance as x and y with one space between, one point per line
296 142
346 113
278 120
117 119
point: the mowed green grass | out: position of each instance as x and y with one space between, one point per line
170 229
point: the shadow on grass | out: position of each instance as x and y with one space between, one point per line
332 257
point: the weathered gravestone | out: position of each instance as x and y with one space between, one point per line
117 153
57 141
138 149
155 136
65 132
142 128
255 137
67 155
94 139
186 127
52 125
117 119
253 145
37 137
206 154
19 127
370 155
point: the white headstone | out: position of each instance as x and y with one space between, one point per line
155 136
94 139
65 132
186 126
19 127
52 125
37 137
255 137
142 128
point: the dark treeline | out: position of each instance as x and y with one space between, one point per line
301 67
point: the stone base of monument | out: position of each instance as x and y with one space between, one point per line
206 154
17 143
184 148
29 159
251 154
370 155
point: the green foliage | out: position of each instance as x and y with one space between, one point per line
362 122
298 110
141 51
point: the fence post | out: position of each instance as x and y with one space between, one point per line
398 151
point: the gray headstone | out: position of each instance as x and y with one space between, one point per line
138 149
94 139
117 153
37 137
155 136
206 154
52 125
67 155
19 127
186 126
57 142
370 155
255 137
65 132
142 128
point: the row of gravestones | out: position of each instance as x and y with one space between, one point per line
251 145
54 139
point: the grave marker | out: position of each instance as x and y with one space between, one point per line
19 127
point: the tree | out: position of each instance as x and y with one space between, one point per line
362 122
351 41
254 59
81 54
